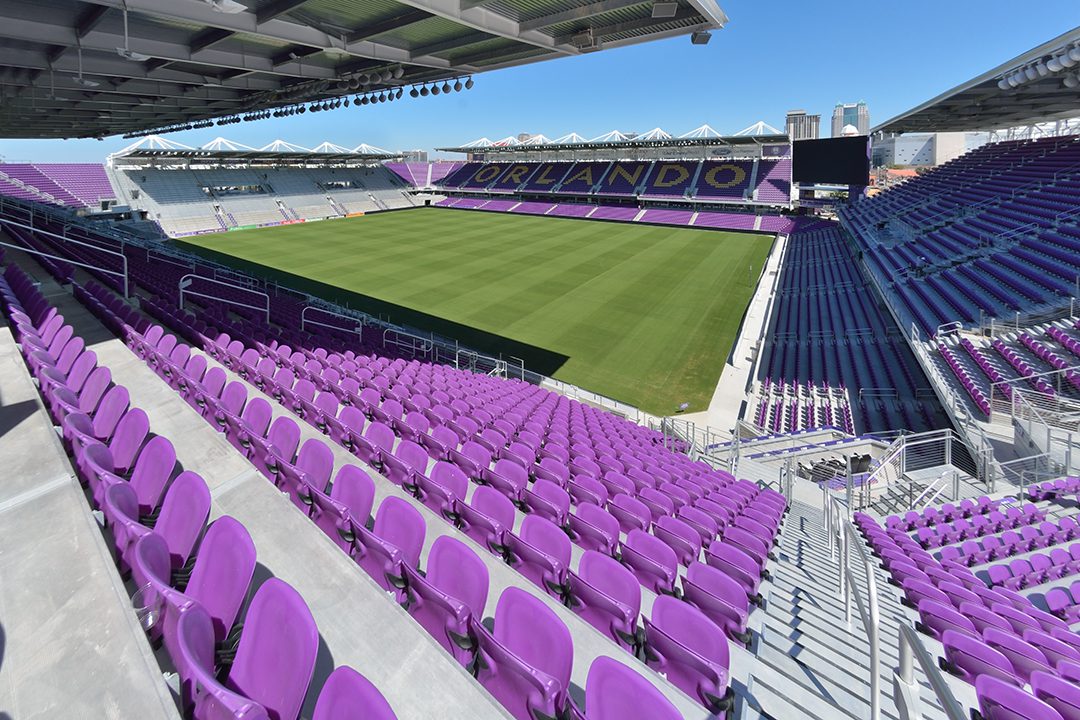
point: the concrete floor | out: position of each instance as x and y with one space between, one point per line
70 645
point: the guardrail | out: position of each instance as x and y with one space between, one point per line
69 261
906 689
186 281
842 536
304 321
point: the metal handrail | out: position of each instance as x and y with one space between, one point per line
841 534
62 238
304 321
186 280
906 690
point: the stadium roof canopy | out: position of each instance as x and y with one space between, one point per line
159 151
758 134
1042 84
90 68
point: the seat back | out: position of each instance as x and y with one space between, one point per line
354 489
1000 700
651 560
183 515
613 691
973 658
546 537
454 591
689 649
402 525
275 658
222 572
348 694
152 473
1062 696
128 439
527 660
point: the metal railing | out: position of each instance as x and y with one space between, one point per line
61 238
842 536
304 321
185 289
917 451
416 344
1022 401
905 687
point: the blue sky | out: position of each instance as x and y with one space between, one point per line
772 57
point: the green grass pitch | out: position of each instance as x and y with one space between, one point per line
646 315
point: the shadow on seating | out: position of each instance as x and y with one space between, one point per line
12 415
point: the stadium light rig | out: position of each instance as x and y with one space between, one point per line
302 106
1059 63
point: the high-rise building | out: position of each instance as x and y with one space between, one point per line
857 115
414 155
801 126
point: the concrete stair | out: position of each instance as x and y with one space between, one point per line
808 654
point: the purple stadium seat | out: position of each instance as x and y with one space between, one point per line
1060 694
393 542
487 518
687 647
615 692
541 552
347 694
181 522
274 659
218 584
594 528
453 591
525 663
1000 700
720 598
653 563
969 657
607 596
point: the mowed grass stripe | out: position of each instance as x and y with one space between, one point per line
643 314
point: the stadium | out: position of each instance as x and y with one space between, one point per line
746 425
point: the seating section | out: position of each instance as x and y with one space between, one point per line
423 174
652 215
765 181
1037 359
157 520
989 234
486 454
789 408
185 202
73 184
828 334
991 581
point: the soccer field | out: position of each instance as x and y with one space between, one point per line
646 315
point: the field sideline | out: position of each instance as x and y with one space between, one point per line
643 314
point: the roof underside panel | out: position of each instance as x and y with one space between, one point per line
68 68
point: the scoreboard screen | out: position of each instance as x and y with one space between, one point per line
839 161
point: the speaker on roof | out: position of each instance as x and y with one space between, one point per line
664 9
702 37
